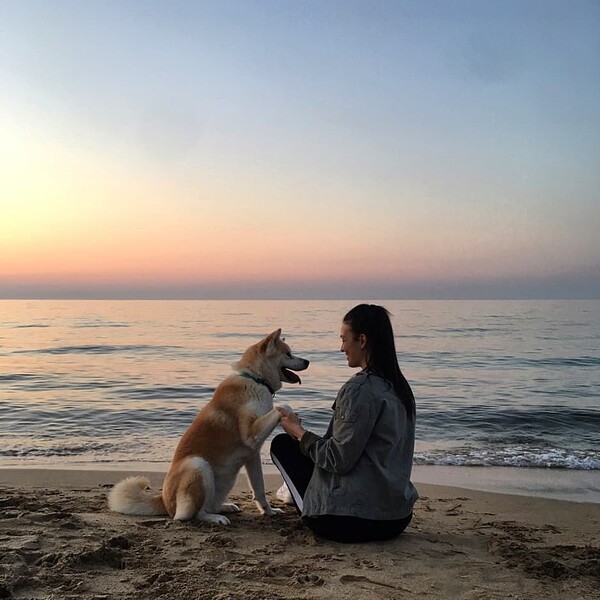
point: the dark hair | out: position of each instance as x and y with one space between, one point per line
374 322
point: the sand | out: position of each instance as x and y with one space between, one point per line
58 540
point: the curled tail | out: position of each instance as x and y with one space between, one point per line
132 496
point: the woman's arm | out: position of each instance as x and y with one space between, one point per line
353 421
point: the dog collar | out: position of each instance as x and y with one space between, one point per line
259 381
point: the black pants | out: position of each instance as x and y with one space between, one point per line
296 470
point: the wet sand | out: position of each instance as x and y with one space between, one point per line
58 540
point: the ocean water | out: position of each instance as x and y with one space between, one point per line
497 383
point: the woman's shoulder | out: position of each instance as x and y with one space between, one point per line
368 378
369 384
365 382
353 386
357 380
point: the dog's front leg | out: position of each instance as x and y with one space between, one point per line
258 430
257 483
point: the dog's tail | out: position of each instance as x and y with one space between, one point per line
133 496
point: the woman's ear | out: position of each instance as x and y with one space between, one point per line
362 338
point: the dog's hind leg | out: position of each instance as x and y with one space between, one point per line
186 508
196 493
257 483
190 497
195 489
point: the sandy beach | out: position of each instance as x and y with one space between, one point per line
58 540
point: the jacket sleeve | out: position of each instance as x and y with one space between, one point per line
353 421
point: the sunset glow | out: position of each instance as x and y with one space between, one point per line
269 151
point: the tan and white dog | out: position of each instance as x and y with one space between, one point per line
226 434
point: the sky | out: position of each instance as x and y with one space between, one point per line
300 149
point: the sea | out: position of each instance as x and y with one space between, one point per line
507 390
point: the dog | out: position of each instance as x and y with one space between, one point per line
226 435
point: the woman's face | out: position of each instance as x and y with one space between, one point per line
355 349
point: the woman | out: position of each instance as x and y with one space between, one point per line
353 484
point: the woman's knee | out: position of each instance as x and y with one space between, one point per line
282 443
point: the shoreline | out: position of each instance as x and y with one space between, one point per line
60 541
559 484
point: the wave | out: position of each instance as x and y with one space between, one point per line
447 359
577 426
547 417
166 392
576 361
57 450
116 388
242 335
511 456
99 325
89 423
35 382
471 330
99 349
13 377
140 450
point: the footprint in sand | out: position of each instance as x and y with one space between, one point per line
358 579
222 541
160 577
313 580
20 542
119 541
152 523
43 517
364 563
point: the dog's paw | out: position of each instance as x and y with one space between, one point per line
214 519
229 507
286 407
222 520
275 511
270 511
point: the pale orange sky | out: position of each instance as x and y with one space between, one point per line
275 183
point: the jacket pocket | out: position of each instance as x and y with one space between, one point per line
345 415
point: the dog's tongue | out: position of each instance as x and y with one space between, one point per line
291 376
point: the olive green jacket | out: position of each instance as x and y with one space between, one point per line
363 462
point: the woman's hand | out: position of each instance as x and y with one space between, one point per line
291 423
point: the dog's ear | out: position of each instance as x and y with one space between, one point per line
269 344
273 339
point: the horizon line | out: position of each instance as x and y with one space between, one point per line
296 299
